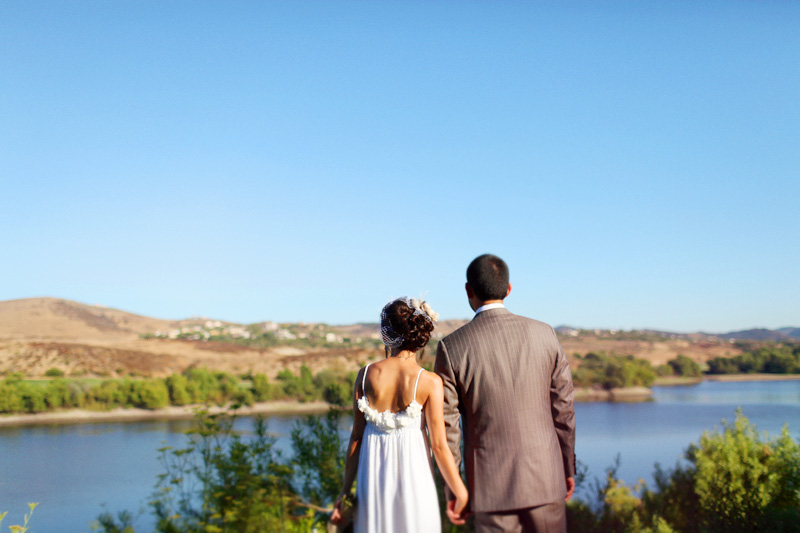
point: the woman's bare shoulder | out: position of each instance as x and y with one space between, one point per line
430 381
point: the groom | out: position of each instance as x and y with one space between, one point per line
507 380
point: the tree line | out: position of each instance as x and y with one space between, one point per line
615 371
771 359
195 386
203 386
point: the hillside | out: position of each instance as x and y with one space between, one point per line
37 334
52 318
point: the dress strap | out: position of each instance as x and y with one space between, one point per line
364 381
417 383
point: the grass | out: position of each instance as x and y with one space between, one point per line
671 381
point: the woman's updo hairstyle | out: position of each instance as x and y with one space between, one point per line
405 327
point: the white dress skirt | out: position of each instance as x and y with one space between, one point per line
395 488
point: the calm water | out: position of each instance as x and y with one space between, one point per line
78 471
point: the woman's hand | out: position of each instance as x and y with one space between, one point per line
457 509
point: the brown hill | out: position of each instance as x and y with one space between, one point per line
37 334
53 318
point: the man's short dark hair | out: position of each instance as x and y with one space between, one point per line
487 275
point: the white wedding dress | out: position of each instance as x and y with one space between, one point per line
395 488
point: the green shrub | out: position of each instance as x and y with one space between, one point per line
736 480
745 481
109 394
614 371
57 394
299 387
54 373
263 390
202 386
684 366
149 394
33 398
319 457
11 397
771 359
178 393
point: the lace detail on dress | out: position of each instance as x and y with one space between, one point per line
388 421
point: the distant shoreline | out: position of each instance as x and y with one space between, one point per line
294 408
80 416
752 377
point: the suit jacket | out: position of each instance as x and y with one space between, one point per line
507 380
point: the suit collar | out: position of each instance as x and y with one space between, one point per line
496 311
486 307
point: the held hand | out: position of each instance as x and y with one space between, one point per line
336 515
456 510
570 487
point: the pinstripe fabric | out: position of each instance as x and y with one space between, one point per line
507 380
548 518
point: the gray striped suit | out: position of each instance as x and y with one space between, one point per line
507 379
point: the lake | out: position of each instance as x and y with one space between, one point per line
78 471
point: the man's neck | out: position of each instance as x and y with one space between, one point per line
490 304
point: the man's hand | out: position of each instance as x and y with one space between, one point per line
570 487
456 512
336 516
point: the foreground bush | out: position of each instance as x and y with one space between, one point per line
225 482
737 480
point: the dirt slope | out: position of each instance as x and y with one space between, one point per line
37 334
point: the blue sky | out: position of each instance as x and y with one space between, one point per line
636 163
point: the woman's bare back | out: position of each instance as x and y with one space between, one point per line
390 384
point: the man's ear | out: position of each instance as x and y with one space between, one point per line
470 294
509 290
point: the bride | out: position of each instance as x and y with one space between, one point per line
388 448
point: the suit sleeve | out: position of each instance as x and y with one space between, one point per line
562 406
452 416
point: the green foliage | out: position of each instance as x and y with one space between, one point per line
736 481
149 394
177 387
613 371
263 390
202 386
24 527
300 387
54 373
770 359
33 397
195 386
336 387
745 481
664 371
107 523
319 461
11 397
109 394
224 482
58 394
684 366
617 508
